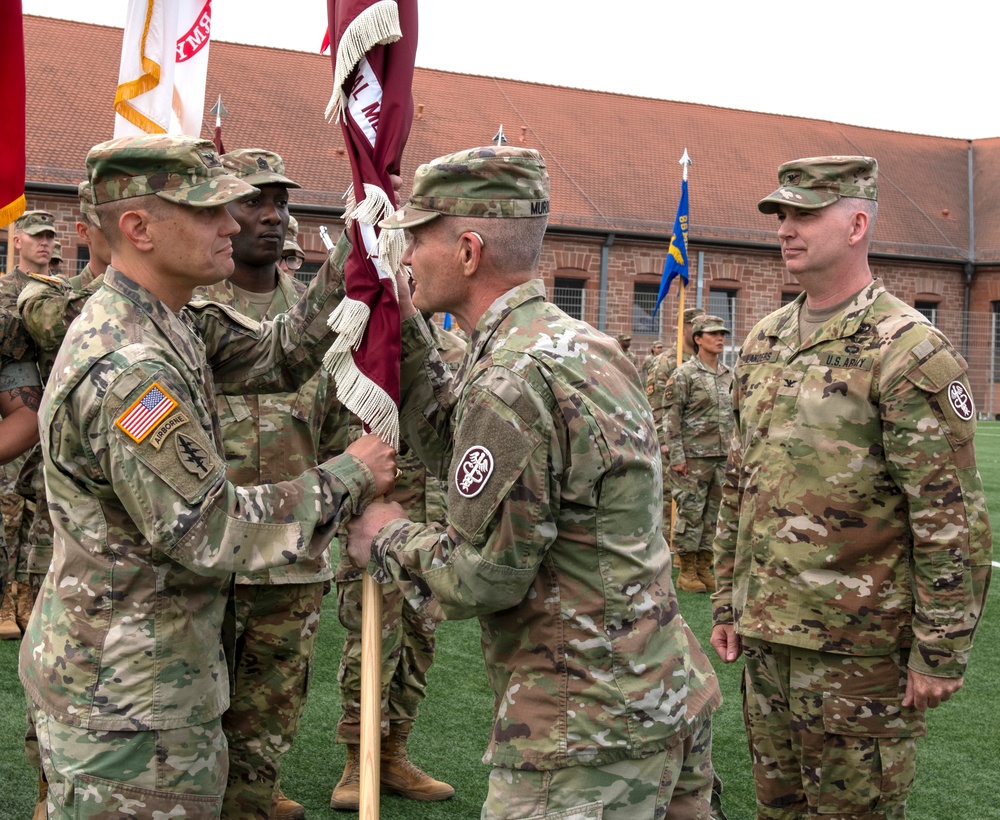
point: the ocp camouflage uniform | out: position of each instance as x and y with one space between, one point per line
150 533
267 438
853 543
553 540
35 536
407 634
17 369
699 421
660 371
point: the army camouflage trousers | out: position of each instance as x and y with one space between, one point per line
407 654
828 735
698 495
12 508
109 775
275 635
675 784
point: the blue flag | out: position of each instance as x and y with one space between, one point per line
677 255
447 322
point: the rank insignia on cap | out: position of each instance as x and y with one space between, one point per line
474 470
146 412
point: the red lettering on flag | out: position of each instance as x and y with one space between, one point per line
197 36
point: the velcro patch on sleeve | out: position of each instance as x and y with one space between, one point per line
146 412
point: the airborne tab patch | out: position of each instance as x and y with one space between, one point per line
146 412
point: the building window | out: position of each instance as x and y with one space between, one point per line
722 303
82 258
643 301
995 358
929 309
568 296
787 298
308 271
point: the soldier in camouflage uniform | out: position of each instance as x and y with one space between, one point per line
655 350
853 548
88 228
660 371
407 639
270 437
34 239
20 394
554 537
625 343
149 530
699 421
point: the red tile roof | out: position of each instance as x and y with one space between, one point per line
613 158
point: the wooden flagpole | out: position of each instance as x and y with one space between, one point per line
371 698
685 161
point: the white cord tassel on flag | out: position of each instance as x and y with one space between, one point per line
376 25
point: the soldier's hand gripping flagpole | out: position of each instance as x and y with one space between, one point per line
373 44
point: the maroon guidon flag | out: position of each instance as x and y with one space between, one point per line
12 112
373 46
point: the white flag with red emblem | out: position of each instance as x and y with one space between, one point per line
161 82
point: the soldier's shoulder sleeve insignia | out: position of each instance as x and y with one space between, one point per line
473 471
146 412
193 456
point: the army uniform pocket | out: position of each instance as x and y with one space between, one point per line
98 799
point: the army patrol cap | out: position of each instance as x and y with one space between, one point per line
816 182
86 196
35 222
179 169
293 228
56 251
709 324
257 167
292 247
690 314
500 181
624 337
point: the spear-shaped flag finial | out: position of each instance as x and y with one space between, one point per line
220 111
499 137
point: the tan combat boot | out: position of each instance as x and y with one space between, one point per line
399 775
284 808
41 812
704 569
688 579
347 794
24 602
9 630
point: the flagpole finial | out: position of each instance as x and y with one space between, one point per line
685 160
499 138
219 110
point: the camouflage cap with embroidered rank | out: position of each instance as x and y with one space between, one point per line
257 167
709 324
85 193
492 181
690 314
179 169
816 182
35 222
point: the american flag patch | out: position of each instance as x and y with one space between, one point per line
145 413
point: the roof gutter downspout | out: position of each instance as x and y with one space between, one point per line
602 308
969 265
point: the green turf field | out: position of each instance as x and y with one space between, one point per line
956 777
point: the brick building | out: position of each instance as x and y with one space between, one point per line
613 160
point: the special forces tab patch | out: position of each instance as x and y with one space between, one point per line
961 401
194 458
474 470
146 412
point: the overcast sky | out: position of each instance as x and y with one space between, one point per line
885 64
